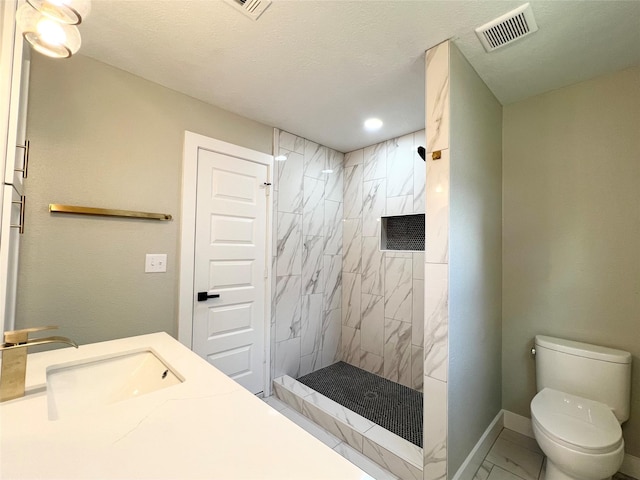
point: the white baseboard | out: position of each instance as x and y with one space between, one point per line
631 466
518 423
475 458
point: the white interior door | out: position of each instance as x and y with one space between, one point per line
230 272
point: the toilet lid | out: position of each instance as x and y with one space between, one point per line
585 423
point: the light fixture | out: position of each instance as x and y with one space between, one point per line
280 158
71 12
46 35
328 170
372 124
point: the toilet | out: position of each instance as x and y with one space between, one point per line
583 396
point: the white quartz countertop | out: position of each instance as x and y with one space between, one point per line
207 427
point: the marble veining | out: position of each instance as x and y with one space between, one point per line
522 462
437 97
391 462
418 265
331 336
400 205
417 367
417 320
354 158
351 345
395 445
436 326
437 216
352 245
288 307
483 471
312 251
336 427
302 421
372 324
288 357
333 282
291 142
400 166
373 267
307 256
397 351
362 461
315 159
339 412
334 180
398 289
311 363
394 254
373 206
311 323
371 362
313 217
353 191
351 296
333 228
435 422
289 244
291 391
383 179
375 161
289 183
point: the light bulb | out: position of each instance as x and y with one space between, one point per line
46 35
51 32
71 12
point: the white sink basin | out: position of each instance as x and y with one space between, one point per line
78 387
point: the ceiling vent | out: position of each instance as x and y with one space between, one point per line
251 8
508 28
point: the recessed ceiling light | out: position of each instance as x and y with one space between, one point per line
372 124
328 170
280 158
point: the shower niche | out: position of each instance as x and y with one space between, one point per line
404 233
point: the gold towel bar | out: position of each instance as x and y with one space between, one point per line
107 212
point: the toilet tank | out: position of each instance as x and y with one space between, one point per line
598 373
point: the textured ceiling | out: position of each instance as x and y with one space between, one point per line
319 68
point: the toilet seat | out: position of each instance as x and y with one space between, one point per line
578 423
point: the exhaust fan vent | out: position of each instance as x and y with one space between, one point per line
251 8
508 28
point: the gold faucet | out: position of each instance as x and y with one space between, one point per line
14 359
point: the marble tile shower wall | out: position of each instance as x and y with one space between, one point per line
383 292
307 257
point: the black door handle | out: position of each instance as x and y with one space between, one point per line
203 296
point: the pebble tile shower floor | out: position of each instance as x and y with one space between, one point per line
392 406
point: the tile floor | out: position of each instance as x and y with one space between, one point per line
512 457
517 457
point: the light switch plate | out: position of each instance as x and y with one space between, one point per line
155 263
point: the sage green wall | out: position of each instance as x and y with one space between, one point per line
102 137
571 242
475 261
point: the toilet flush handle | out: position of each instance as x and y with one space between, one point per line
533 351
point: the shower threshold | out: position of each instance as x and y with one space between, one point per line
394 453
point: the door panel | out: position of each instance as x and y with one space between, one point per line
230 261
